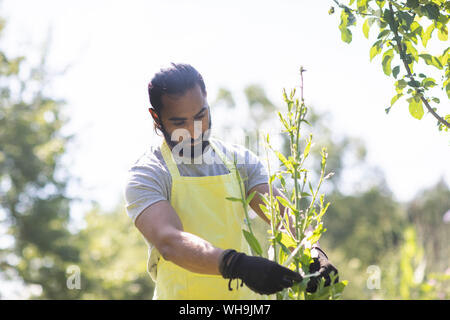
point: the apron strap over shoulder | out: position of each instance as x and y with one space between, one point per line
228 163
168 158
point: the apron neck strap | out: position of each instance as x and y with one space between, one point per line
227 162
168 158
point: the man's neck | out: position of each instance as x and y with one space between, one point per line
204 147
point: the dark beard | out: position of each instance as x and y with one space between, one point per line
205 141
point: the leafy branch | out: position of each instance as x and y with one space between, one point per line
399 24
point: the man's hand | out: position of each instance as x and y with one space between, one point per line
259 274
324 267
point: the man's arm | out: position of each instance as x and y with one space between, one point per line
161 226
256 201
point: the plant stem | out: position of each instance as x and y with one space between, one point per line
272 215
243 196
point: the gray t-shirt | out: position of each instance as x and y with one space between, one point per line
149 179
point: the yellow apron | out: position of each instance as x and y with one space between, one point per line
201 205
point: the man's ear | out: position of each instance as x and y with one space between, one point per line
154 114
155 117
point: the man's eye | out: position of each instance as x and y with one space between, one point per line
182 123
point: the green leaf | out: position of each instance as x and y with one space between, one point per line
395 98
388 17
375 50
366 28
283 159
410 49
395 71
412 3
416 107
285 249
263 208
250 197
383 33
387 59
426 57
253 242
427 35
406 19
308 147
315 236
234 199
436 100
428 82
286 125
414 83
443 33
287 241
305 194
447 88
346 35
310 187
362 5
416 29
400 85
286 203
431 60
431 10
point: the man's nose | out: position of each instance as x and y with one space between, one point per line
195 130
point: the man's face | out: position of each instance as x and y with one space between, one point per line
189 112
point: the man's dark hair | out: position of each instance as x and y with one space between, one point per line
175 80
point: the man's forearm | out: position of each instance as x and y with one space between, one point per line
192 253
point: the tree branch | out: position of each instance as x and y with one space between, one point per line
408 70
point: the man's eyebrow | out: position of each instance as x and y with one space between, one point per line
179 119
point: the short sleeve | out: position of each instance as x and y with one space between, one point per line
250 167
256 171
145 185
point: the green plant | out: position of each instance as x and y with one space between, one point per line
407 276
296 221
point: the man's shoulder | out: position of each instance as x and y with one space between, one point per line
149 161
244 154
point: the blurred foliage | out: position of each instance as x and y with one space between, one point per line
364 225
409 278
107 256
33 203
426 212
113 257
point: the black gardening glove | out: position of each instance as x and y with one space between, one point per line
259 274
324 267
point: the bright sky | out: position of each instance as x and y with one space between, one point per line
116 46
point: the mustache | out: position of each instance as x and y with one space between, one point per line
204 137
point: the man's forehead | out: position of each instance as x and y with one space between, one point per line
189 102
